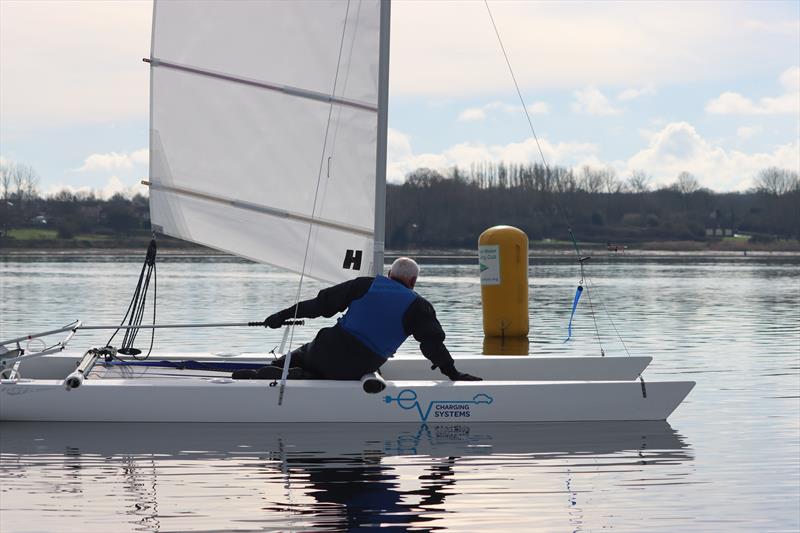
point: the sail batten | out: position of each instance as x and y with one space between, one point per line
263 209
242 112
294 91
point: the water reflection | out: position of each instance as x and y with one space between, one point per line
337 476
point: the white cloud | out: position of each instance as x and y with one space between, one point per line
403 160
114 161
538 108
590 101
472 114
610 44
633 93
112 187
481 113
790 79
731 103
679 147
80 61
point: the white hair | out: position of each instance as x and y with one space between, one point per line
404 268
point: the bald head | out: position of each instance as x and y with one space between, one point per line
405 270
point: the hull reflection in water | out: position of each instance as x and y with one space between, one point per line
213 440
321 475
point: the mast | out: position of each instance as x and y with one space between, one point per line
383 120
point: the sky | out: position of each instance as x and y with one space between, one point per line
711 88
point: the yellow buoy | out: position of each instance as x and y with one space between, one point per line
503 258
506 346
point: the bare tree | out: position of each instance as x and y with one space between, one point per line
639 181
611 184
26 180
17 181
5 178
23 182
686 183
591 180
31 183
774 180
563 182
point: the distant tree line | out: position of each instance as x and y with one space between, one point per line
68 213
435 209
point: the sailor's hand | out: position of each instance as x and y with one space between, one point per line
274 321
463 376
455 375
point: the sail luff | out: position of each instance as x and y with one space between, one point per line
383 122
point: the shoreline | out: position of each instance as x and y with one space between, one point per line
563 252
168 246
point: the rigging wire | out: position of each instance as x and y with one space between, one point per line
594 318
288 359
613 325
547 170
584 278
136 308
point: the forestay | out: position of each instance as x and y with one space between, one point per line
241 95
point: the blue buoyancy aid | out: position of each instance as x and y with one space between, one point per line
376 319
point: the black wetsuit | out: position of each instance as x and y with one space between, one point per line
336 354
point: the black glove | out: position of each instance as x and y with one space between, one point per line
463 376
275 321
455 375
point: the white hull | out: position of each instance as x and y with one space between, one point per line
495 368
198 399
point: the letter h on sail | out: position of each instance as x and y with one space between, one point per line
352 259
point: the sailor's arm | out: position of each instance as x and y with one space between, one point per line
421 322
328 302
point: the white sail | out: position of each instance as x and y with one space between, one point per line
241 95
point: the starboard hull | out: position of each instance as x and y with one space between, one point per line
495 368
194 399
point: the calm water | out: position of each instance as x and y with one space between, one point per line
727 460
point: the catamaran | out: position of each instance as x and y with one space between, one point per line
268 134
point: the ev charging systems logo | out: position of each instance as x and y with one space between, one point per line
407 399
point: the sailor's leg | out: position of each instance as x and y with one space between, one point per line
274 370
298 357
331 362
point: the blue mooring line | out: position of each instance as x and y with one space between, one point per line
578 293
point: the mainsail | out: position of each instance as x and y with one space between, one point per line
265 124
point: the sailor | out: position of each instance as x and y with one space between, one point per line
381 313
